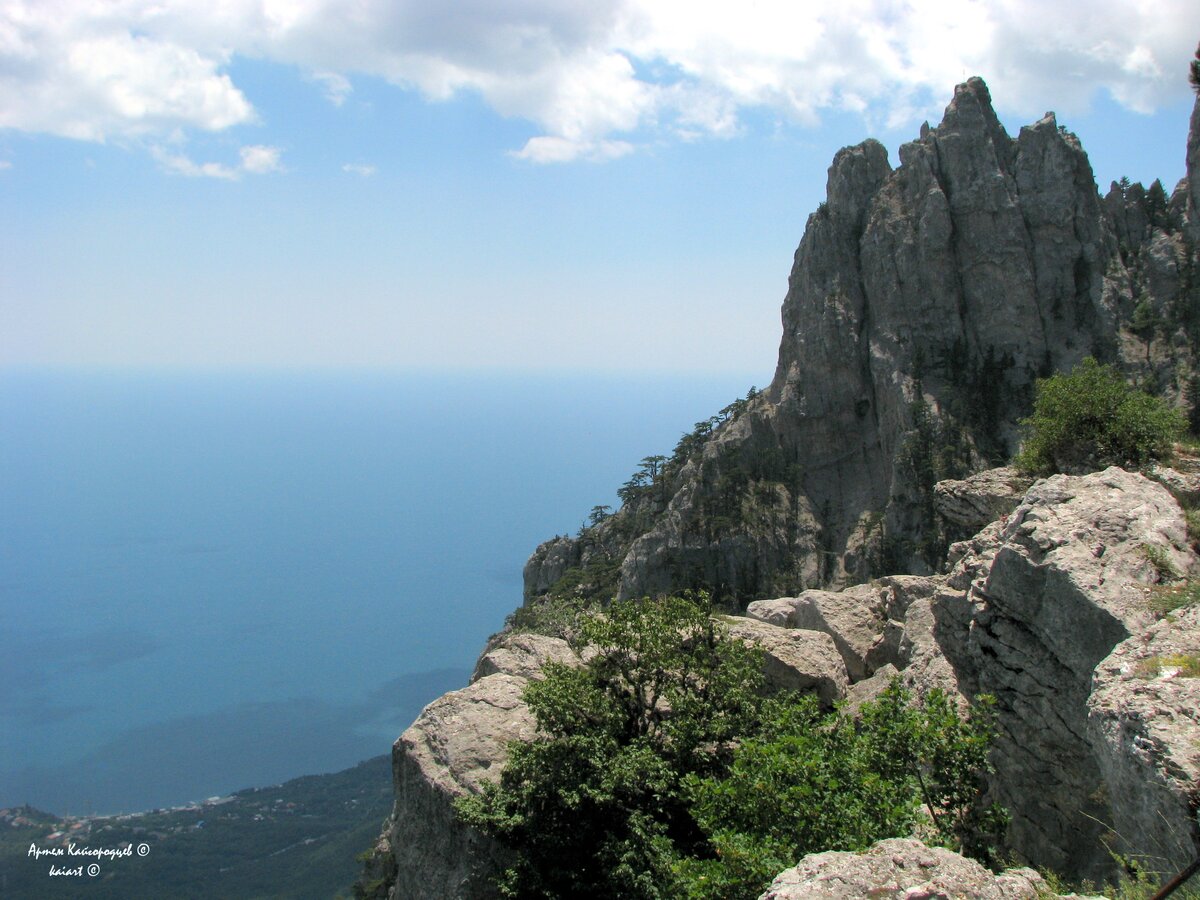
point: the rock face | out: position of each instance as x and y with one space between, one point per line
901 869
923 304
1034 604
969 504
1144 727
458 742
1047 610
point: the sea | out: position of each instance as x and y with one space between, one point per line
213 581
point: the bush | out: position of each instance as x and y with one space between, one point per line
816 783
1091 419
596 808
665 771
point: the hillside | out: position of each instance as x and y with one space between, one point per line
295 840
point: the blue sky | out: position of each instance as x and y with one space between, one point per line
530 184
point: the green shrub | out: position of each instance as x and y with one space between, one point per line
665 770
1091 419
815 783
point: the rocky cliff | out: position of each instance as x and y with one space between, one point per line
923 304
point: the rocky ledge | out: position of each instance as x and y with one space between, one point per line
1048 608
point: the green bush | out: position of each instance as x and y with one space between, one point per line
666 771
816 783
1091 419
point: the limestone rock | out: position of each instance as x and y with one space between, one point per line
774 612
973 502
1144 724
865 621
795 659
923 300
901 869
459 741
1193 173
523 655
1035 602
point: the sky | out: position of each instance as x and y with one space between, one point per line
538 185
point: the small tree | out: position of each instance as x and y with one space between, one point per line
1091 419
596 808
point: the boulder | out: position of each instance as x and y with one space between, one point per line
522 654
865 621
457 743
901 869
1032 606
794 659
970 504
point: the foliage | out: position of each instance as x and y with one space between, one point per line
1167 598
1194 72
1157 557
665 770
596 808
298 839
816 783
1090 419
1186 665
555 615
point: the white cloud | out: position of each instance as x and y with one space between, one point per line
548 149
359 169
5 164
260 160
591 77
335 87
252 160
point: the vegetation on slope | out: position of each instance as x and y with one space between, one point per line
667 771
295 840
1092 418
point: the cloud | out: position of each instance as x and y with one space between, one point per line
593 79
260 160
252 160
335 87
359 169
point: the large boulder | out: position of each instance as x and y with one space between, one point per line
866 621
522 654
459 742
901 869
969 504
794 659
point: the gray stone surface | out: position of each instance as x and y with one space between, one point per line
951 283
1033 605
522 655
971 503
794 659
901 869
458 742
1144 726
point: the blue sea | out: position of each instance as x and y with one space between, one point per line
217 581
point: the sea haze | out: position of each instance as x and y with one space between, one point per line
212 582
